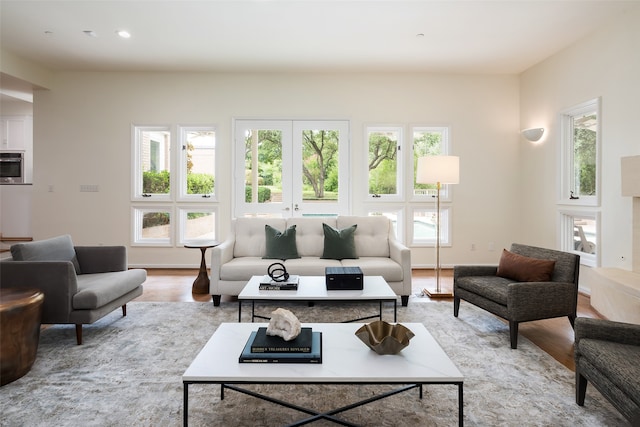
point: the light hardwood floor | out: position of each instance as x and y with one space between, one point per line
554 336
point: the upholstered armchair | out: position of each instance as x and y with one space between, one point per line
607 354
530 283
81 284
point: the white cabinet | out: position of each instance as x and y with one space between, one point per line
16 132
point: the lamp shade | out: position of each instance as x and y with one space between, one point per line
533 134
438 169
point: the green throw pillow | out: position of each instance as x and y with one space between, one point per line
339 244
280 245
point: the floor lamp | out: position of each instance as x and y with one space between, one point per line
438 170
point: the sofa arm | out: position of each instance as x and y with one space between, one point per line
55 279
607 330
220 255
473 270
538 300
402 255
101 259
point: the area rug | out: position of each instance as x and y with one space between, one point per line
128 373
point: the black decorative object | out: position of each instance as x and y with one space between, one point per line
278 272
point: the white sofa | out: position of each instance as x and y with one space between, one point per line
239 257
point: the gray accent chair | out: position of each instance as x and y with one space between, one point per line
521 301
81 284
607 354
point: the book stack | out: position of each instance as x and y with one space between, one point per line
263 348
267 284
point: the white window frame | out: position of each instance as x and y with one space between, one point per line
137 213
399 195
566 181
182 169
566 234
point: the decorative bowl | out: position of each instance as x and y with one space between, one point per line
385 338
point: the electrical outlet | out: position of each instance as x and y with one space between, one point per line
88 188
473 246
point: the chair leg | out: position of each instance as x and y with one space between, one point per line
581 388
79 334
216 300
456 306
513 332
572 320
124 310
405 300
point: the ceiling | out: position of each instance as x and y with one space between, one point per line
450 36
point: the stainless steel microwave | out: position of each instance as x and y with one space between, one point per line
12 167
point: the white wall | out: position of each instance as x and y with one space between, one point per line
607 65
83 124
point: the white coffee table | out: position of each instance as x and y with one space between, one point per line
313 288
345 360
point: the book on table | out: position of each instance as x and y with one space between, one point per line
264 343
314 356
291 284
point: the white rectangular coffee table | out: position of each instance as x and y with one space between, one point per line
345 360
313 288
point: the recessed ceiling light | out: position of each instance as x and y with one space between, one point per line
123 33
90 33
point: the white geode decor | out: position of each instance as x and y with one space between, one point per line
284 324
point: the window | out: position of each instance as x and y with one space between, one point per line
579 183
197 224
429 141
384 177
152 163
152 226
580 142
198 161
580 234
413 211
163 183
424 225
290 168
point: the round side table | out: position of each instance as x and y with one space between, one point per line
201 284
20 315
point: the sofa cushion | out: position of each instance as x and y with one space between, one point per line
249 235
618 362
525 269
310 234
96 290
372 236
242 268
55 249
339 244
310 266
377 266
280 245
490 287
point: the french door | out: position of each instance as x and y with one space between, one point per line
287 168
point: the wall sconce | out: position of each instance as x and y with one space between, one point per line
533 134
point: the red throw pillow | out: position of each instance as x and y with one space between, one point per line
525 269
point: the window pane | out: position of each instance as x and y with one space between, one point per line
263 166
426 142
320 165
198 225
425 223
156 225
584 235
201 156
383 161
155 149
584 155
